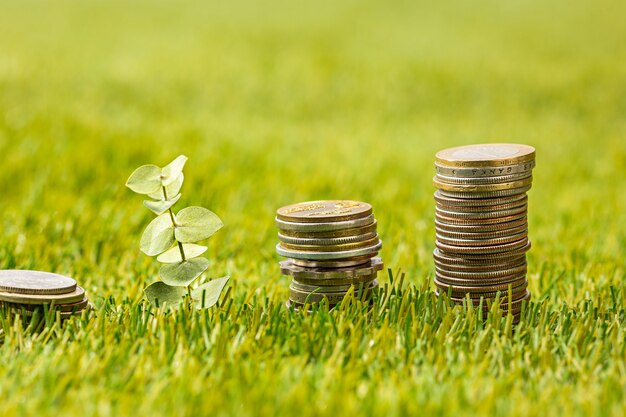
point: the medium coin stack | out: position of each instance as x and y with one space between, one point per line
331 247
27 292
481 223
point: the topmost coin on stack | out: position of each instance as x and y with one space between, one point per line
481 222
331 245
26 292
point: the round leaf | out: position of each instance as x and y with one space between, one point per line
196 223
158 236
162 295
170 189
173 254
207 295
170 172
183 273
145 179
160 207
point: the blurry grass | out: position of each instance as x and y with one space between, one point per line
277 103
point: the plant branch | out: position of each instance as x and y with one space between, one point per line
180 245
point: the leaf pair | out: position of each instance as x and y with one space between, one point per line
205 296
150 179
192 224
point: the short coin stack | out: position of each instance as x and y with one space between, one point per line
481 223
332 246
27 292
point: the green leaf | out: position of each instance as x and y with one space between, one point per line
145 179
171 189
196 223
162 295
184 272
207 295
173 255
160 207
158 236
170 172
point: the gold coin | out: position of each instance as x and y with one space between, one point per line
324 211
326 241
479 222
485 155
371 228
483 180
332 248
485 195
486 188
485 171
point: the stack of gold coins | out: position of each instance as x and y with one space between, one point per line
481 223
27 292
331 246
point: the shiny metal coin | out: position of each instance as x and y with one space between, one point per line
455 267
300 273
347 233
485 171
471 200
455 258
460 282
304 297
486 300
459 215
331 248
481 252
35 282
483 180
482 235
482 209
330 264
485 155
324 227
327 241
481 242
481 228
72 297
515 285
321 256
485 188
485 195
298 286
324 211
479 222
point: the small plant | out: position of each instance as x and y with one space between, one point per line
173 238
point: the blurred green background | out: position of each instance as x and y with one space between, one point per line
282 102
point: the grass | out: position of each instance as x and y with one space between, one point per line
277 103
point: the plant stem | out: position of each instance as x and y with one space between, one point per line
180 245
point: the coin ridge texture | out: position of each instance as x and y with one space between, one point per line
324 211
35 282
485 155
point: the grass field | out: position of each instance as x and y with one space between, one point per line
276 103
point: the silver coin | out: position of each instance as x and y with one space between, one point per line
483 214
326 241
73 297
482 209
324 227
481 242
485 171
35 282
481 228
472 201
297 272
482 235
331 264
490 194
483 180
298 286
320 256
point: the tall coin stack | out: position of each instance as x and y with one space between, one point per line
331 247
481 223
27 292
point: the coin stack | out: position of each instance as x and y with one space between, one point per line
481 223
331 246
27 292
